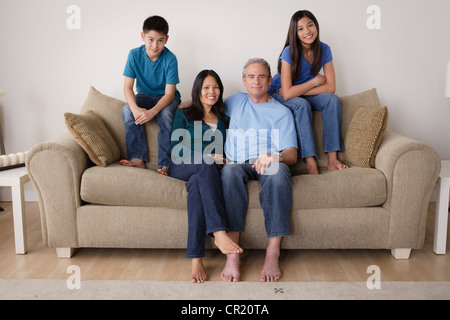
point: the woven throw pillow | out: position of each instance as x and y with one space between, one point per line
364 136
92 135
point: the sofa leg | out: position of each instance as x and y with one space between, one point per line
65 253
401 253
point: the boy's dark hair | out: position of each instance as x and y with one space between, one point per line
156 23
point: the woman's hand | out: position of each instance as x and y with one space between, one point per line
218 158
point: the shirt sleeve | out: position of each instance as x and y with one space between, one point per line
172 72
129 67
326 54
286 55
179 122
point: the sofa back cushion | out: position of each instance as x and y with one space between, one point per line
110 111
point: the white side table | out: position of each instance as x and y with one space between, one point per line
441 219
16 178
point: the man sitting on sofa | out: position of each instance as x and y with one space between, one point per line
261 143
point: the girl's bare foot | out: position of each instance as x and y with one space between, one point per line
198 274
311 165
225 244
138 163
334 163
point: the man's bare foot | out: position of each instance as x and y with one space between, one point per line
198 274
164 171
311 165
231 272
225 244
138 163
271 271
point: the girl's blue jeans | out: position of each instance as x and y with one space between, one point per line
301 108
135 134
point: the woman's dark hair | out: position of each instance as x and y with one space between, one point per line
156 23
293 41
195 111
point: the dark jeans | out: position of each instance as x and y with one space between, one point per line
206 211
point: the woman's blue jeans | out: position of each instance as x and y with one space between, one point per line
302 107
135 134
206 211
275 196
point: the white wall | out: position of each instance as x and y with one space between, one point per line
46 68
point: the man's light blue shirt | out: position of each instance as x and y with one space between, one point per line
257 128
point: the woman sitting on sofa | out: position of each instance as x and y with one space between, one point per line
197 140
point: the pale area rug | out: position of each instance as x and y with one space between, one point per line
54 289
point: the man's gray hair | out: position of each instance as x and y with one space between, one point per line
260 61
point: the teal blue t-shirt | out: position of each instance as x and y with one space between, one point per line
152 76
193 138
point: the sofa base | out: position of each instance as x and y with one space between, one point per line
399 253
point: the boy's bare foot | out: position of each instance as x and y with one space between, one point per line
164 171
230 272
198 274
138 163
225 244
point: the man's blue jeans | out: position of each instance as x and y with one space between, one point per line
206 211
275 197
302 107
135 134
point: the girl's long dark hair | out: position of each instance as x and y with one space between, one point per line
293 41
195 111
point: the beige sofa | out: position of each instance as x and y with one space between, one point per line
85 205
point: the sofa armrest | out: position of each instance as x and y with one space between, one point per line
55 168
411 169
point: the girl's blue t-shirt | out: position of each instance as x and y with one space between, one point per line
305 71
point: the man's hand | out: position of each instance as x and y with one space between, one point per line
263 161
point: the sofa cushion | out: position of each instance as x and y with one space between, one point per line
93 136
118 185
110 111
124 186
364 136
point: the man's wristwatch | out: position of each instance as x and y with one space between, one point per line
280 156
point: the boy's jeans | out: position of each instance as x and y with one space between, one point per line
135 134
330 106
275 197
206 210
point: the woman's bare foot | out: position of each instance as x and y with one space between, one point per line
311 165
225 244
334 163
198 274
138 163
164 171
231 272
271 271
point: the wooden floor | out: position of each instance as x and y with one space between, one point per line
170 265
